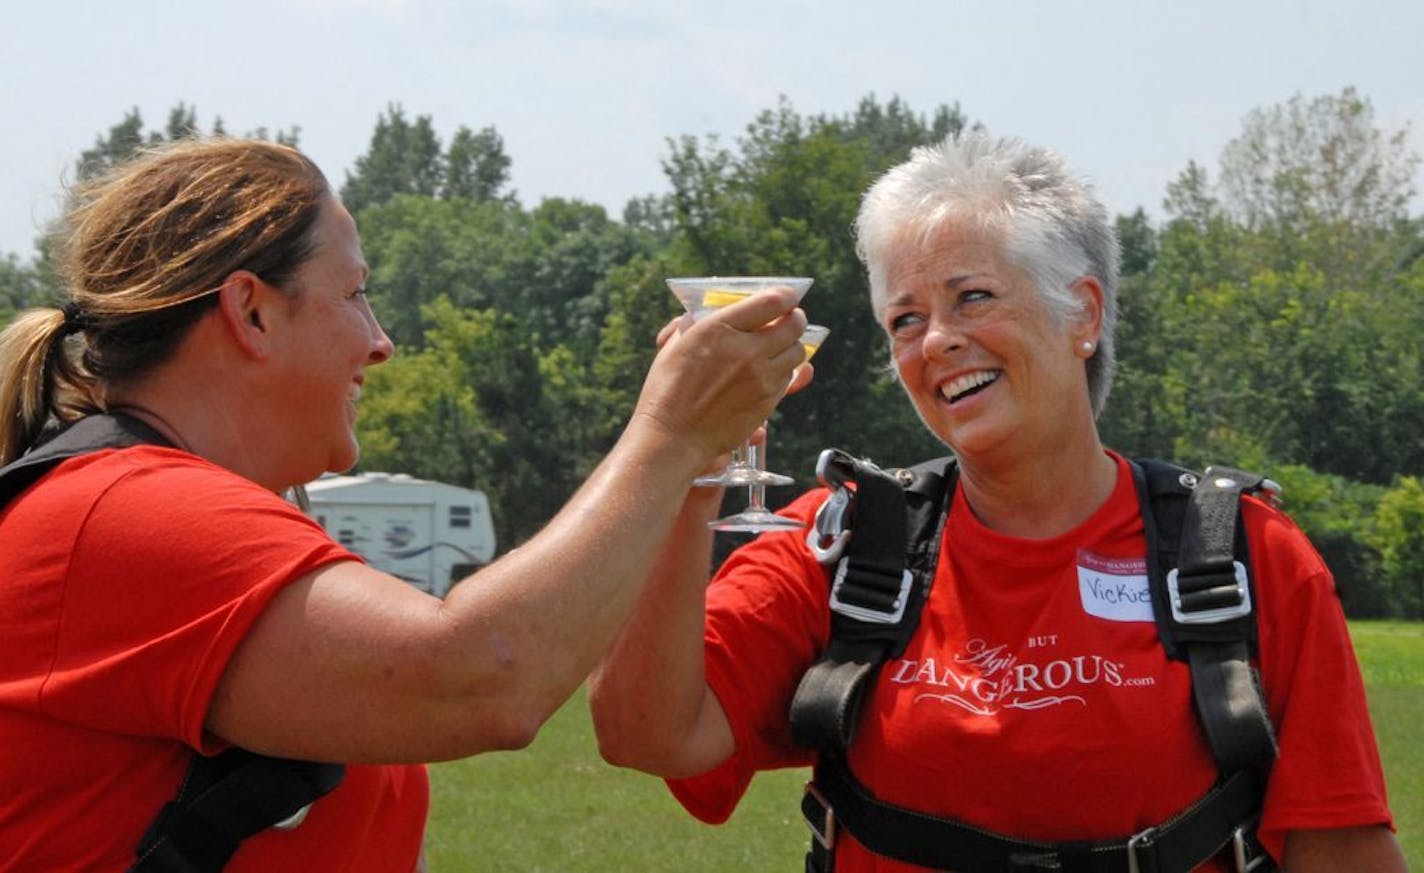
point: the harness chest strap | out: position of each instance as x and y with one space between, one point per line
836 801
223 799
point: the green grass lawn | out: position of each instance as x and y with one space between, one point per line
1392 659
557 807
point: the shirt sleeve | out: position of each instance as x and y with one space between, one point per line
169 570
1328 773
767 620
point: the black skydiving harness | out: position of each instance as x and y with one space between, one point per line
883 539
224 799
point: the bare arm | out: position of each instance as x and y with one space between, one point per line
651 705
652 709
1359 850
350 664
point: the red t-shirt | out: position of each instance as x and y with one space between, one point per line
127 579
1035 699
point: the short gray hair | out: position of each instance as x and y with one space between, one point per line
1050 221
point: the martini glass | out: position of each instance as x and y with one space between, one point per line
756 517
700 296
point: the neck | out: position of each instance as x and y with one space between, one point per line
165 428
1045 496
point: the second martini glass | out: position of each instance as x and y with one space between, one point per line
756 517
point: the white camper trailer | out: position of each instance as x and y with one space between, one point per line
427 533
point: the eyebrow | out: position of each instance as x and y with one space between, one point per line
953 283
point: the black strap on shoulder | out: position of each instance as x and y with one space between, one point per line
1202 599
88 434
223 799
882 579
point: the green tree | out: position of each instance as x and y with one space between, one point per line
420 249
128 136
476 166
1273 317
21 287
1398 533
1318 160
479 406
545 266
404 157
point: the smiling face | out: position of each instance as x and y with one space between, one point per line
991 369
331 337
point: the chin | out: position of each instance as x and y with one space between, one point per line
346 458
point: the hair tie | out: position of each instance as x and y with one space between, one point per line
72 318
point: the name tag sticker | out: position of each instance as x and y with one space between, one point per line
1114 588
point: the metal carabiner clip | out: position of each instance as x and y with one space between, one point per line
831 530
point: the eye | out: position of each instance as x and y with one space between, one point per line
904 321
975 295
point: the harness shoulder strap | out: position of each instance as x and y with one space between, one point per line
224 799
882 580
1197 569
88 434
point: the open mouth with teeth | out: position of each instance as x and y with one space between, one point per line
969 385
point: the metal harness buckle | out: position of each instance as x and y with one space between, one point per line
294 821
1240 853
1211 616
1140 840
825 835
865 613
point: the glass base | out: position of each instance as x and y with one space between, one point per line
755 521
743 476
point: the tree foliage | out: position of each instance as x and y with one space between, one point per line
406 157
1270 322
129 136
1398 534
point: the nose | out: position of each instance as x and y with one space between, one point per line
942 338
382 349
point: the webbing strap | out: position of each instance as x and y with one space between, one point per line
224 800
876 594
1225 815
1205 614
86 435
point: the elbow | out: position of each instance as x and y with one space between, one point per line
617 751
613 745
514 729
624 739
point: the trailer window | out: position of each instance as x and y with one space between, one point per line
459 516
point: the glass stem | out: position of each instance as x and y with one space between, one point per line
739 457
756 459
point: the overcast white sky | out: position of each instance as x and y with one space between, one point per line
586 92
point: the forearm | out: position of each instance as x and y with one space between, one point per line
546 612
651 706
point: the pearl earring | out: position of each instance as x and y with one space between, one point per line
1087 347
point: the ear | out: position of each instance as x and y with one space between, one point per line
1086 326
245 302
